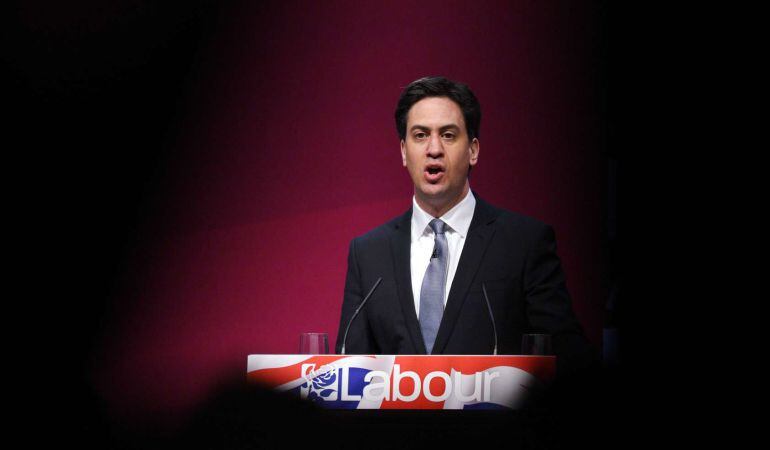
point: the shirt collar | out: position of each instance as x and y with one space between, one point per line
458 218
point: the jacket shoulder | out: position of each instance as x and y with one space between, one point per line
520 224
522 220
386 230
510 219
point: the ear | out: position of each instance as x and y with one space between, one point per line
403 152
474 151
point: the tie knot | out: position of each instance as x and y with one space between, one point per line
437 226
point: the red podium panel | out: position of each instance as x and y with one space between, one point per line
405 381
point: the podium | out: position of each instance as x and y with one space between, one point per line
406 382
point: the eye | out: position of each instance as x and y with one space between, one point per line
448 136
420 135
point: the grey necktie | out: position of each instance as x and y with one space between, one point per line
433 286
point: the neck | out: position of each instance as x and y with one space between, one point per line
439 207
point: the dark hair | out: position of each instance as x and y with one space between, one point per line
439 87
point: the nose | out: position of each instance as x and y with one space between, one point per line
435 147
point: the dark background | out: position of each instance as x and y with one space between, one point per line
179 163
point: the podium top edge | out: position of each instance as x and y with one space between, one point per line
431 356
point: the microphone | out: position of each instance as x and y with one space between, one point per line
491 316
371 291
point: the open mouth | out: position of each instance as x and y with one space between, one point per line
434 173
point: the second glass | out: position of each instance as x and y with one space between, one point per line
536 344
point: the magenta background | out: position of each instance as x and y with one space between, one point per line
287 150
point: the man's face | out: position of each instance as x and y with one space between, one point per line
437 151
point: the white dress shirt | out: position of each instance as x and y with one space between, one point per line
458 220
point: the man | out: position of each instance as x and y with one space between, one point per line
437 260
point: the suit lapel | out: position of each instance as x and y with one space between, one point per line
479 235
400 244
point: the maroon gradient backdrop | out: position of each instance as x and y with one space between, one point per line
288 150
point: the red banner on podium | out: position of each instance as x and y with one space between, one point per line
405 381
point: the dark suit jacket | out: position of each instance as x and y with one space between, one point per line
513 255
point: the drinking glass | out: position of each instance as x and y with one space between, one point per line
313 344
536 344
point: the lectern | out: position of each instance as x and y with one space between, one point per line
427 382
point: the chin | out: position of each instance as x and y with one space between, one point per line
433 189
436 194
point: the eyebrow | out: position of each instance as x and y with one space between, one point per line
443 128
